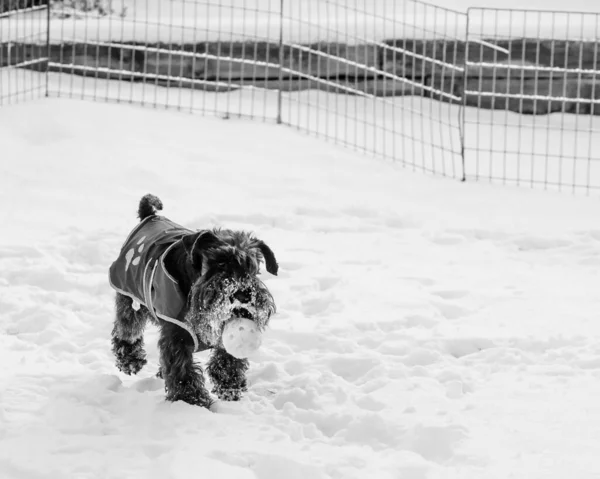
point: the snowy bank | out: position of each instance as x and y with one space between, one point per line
426 328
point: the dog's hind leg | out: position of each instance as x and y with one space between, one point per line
184 379
128 335
228 375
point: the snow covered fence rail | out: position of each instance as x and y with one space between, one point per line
19 6
534 76
522 80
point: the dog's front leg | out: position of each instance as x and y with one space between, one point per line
184 379
228 375
128 335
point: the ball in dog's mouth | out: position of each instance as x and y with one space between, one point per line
241 337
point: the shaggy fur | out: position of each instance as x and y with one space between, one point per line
217 271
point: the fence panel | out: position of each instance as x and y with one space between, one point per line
379 77
533 77
23 38
507 96
213 57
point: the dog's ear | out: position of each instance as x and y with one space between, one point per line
196 243
268 255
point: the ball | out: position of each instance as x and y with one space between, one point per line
241 337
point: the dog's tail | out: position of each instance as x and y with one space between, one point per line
149 205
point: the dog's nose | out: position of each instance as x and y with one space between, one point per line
243 296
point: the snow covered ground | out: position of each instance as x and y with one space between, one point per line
426 329
548 151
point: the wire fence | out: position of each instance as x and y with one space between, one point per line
23 39
533 64
383 80
506 96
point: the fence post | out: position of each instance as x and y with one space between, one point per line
280 86
48 48
463 110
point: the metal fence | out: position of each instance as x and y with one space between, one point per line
502 95
23 39
387 98
534 80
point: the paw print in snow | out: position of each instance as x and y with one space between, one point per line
129 257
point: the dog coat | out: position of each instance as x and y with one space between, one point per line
139 272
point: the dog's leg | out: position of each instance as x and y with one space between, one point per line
184 379
128 336
228 375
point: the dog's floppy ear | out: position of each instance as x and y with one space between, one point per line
268 255
196 243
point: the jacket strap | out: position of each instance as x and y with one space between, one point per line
148 280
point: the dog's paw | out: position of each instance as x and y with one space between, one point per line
129 365
190 396
131 357
229 394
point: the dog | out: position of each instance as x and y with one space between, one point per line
189 283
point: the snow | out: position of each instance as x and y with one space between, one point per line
546 151
426 328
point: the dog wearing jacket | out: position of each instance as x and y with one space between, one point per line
192 284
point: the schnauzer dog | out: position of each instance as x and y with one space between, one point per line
189 283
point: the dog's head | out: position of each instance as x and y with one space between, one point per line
227 265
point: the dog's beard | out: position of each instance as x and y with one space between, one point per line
213 303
